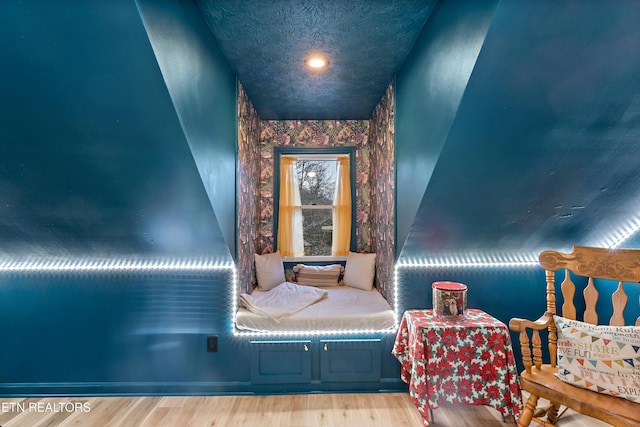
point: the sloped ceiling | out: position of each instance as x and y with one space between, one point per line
539 149
93 159
524 116
543 150
266 43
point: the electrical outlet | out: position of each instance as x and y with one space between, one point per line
212 344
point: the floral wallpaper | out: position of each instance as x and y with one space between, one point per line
381 138
316 133
375 181
248 189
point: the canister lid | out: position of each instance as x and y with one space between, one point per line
449 286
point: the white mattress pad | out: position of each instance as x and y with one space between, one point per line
344 308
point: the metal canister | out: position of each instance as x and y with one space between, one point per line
449 300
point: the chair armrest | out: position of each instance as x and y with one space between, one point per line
521 325
517 325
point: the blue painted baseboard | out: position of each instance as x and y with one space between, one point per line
213 388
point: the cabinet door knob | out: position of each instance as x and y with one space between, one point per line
326 348
306 348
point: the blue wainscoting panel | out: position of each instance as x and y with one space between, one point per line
118 333
286 362
345 360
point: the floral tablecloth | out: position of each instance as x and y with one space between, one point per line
467 361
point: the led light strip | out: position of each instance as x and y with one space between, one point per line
117 265
309 333
471 261
628 231
469 264
396 294
234 302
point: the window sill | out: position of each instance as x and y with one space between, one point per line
303 259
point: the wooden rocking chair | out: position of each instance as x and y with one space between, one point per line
621 265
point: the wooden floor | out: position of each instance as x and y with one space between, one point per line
304 410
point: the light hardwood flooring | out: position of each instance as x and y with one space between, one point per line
302 410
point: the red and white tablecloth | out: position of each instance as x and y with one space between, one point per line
468 361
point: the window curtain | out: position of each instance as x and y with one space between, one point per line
342 210
290 240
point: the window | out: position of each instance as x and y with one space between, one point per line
314 201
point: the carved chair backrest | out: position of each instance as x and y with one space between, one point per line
620 265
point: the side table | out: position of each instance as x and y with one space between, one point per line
468 361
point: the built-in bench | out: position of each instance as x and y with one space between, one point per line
356 360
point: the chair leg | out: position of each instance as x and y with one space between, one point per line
527 413
552 415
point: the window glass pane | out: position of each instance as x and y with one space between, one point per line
317 226
317 181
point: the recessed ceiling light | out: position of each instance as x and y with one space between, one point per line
316 62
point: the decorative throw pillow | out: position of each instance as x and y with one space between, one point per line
318 275
605 359
360 271
269 270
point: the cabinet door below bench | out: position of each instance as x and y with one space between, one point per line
350 360
280 362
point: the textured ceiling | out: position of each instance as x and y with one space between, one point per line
266 43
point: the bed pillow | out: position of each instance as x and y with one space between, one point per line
269 270
360 270
604 359
318 275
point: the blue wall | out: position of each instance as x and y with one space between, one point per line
127 333
97 162
517 130
120 145
504 292
117 140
